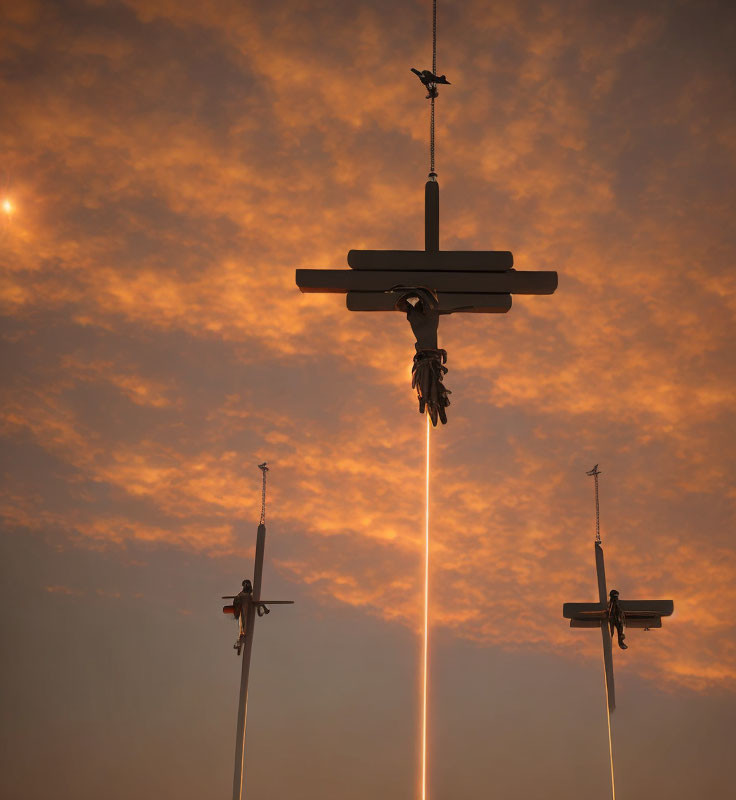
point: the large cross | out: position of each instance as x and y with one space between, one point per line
644 614
480 281
476 281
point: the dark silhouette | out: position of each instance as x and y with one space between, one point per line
610 613
616 618
242 597
430 80
426 284
239 609
244 608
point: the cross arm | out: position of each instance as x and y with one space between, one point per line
584 611
647 608
274 602
448 302
509 282
586 623
637 613
643 622
472 260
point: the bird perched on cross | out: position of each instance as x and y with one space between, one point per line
430 80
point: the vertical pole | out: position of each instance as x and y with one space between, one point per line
600 569
258 567
250 619
432 215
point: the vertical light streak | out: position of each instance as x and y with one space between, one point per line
426 622
610 738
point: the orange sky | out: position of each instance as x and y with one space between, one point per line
169 164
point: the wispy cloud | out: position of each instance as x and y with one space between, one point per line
157 342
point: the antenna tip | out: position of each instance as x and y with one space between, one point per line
263 467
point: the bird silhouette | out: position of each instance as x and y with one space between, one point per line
430 80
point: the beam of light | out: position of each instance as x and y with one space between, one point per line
7 206
426 622
610 737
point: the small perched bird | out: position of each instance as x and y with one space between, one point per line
430 80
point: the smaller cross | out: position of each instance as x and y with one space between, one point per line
246 604
610 614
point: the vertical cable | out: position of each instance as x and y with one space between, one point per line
431 139
595 472
425 653
434 72
597 512
434 37
264 469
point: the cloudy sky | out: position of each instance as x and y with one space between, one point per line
165 166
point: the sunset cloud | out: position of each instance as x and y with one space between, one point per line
158 347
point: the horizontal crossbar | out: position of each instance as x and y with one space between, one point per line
641 622
631 608
510 282
274 602
663 608
586 623
630 622
448 302
472 260
584 610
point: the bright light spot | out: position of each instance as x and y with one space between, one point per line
7 206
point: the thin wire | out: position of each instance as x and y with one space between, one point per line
595 473
426 620
597 513
434 37
264 469
434 72
431 138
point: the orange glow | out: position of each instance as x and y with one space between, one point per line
7 206
426 622
668 395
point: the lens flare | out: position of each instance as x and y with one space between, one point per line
7 206
426 621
